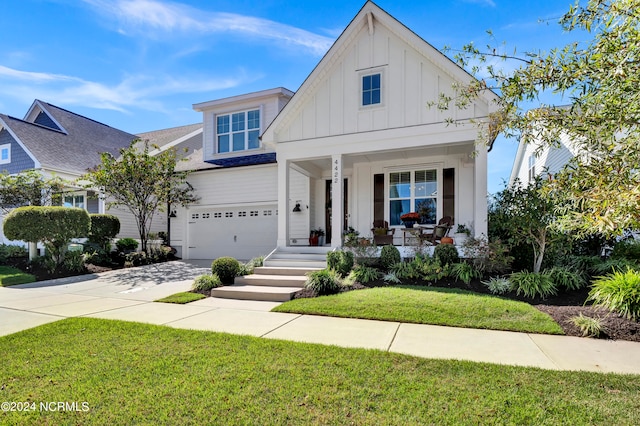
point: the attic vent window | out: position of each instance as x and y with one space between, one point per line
5 153
371 89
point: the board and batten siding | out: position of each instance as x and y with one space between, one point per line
409 82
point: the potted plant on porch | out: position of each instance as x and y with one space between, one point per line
461 234
410 219
313 237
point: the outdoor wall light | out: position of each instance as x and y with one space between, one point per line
297 208
173 214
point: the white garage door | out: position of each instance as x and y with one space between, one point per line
240 232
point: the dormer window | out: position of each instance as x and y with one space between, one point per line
237 131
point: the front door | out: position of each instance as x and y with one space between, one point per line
327 214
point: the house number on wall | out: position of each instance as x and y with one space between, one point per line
336 171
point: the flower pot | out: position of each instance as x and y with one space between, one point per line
409 223
460 238
446 240
313 240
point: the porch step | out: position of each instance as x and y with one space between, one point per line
271 280
251 292
274 270
298 257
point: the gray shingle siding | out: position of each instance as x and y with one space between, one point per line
20 160
44 120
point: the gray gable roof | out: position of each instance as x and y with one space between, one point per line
74 151
165 136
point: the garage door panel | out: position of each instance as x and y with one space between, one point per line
242 233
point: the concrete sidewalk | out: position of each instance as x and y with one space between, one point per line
128 295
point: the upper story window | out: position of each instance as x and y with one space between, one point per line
371 89
238 131
5 153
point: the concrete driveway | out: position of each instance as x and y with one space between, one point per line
129 294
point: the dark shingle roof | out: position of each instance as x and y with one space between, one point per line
76 150
165 136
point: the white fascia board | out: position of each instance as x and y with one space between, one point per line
205 106
517 162
37 105
36 163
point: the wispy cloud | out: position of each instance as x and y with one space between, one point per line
489 3
163 17
132 92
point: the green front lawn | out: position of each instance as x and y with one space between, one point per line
130 373
13 276
428 305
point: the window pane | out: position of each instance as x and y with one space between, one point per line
366 83
237 122
426 183
223 143
375 81
5 154
68 201
79 201
238 141
253 119
371 89
400 185
375 96
223 124
396 209
426 208
253 139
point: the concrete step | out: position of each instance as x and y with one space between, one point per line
300 256
250 292
271 280
274 270
295 263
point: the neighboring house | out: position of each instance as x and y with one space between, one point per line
61 143
533 160
356 143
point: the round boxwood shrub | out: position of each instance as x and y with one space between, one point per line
340 261
126 244
206 282
447 254
227 268
389 255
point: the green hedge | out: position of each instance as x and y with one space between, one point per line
104 227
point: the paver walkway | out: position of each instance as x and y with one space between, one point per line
128 294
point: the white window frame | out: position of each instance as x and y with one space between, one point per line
75 195
411 170
369 72
7 147
231 132
532 167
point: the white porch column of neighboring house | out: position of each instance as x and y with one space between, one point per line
283 202
337 201
101 203
480 225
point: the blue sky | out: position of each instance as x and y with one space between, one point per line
139 65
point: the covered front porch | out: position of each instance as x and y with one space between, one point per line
348 192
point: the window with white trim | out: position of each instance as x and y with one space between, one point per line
5 153
371 89
238 131
413 191
74 200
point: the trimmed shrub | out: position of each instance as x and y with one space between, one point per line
104 227
447 254
227 268
364 274
565 278
324 282
388 256
532 284
54 226
497 285
126 244
340 261
206 282
619 292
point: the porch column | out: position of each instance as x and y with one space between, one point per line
337 203
101 203
283 203
480 213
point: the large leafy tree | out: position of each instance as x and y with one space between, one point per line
600 79
142 183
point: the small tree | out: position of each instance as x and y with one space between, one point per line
142 183
28 188
526 214
54 226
